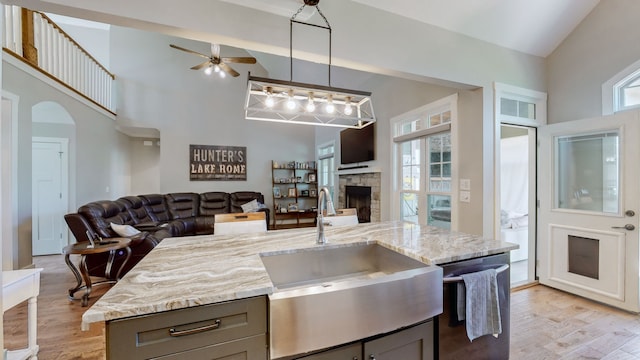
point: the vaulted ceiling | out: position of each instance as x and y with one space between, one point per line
533 27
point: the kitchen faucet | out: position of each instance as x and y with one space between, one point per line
324 195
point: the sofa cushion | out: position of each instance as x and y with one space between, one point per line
212 203
100 215
182 205
136 209
240 198
125 230
156 207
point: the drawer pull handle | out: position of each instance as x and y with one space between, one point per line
176 333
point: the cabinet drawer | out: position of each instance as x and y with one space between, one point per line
174 331
253 348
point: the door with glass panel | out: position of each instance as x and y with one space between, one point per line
426 199
589 203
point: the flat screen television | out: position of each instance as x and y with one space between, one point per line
357 145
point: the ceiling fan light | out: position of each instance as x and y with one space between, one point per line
222 74
208 70
216 68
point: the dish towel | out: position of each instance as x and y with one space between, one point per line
481 306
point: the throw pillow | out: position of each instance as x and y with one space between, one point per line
251 206
125 230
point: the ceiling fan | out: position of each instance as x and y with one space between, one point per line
215 62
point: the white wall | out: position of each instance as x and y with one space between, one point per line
602 45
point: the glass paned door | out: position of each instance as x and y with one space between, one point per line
588 172
438 200
588 242
410 157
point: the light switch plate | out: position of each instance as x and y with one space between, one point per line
465 196
465 184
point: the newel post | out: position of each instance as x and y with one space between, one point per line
29 51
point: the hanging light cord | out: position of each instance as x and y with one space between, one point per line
293 20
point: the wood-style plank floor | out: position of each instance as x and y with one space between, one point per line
545 324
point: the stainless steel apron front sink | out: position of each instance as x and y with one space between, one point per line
331 295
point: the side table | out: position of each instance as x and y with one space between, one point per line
85 248
18 286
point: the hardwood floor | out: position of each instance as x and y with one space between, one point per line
545 323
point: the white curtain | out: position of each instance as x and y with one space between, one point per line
514 175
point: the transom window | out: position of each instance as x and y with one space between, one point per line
628 92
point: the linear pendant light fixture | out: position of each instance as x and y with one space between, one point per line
308 104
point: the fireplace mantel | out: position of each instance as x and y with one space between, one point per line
365 170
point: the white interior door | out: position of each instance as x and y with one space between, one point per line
589 204
49 199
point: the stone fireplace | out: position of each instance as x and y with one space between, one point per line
363 194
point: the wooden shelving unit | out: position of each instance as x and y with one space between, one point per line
295 193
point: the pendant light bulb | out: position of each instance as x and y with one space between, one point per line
216 68
348 110
311 107
208 70
270 101
291 102
222 74
330 108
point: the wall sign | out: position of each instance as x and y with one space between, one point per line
214 162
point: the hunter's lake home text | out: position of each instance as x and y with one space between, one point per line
215 162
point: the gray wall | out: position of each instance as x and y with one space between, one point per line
145 166
100 152
191 108
157 90
605 43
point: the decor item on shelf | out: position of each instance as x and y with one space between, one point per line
304 193
276 192
292 192
313 193
309 104
293 207
312 178
215 63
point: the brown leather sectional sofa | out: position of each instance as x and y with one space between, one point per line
156 216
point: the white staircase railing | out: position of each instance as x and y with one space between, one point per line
60 56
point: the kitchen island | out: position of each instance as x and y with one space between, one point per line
186 272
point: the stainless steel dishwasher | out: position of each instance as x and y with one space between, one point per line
451 336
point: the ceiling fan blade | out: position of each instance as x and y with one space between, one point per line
215 50
200 66
226 68
242 60
189 51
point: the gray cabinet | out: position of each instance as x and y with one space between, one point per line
229 330
414 343
347 352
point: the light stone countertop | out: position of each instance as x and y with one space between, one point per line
198 270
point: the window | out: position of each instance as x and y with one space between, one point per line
622 91
519 106
326 166
627 92
423 153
